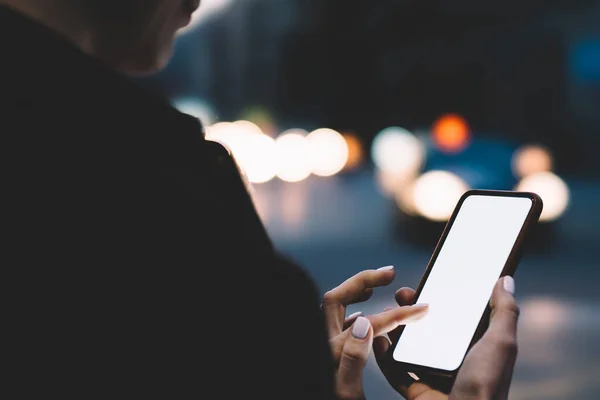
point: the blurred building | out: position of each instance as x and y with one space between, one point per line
234 58
528 71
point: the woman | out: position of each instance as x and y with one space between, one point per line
138 266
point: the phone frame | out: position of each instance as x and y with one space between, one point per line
509 269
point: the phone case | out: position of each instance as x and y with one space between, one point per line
442 377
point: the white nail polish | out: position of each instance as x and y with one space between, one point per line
360 329
414 376
356 314
388 268
509 284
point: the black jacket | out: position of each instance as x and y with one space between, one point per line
134 262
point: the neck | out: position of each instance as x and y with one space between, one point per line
62 16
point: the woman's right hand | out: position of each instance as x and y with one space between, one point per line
487 370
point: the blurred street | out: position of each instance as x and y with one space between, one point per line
338 226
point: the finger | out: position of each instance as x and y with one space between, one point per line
504 386
336 300
505 313
364 296
352 288
397 377
418 390
398 380
405 296
381 345
351 318
389 320
491 360
503 330
349 379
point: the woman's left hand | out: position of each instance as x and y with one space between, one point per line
351 337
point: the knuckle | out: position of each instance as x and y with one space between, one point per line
509 309
508 344
475 388
330 297
352 355
512 307
346 393
509 305
505 343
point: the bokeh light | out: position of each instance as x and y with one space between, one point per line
355 152
405 199
552 189
225 133
388 183
451 133
196 108
248 127
260 165
543 315
530 159
328 152
398 151
293 156
262 118
436 194
255 151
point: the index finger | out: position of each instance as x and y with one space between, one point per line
336 300
389 320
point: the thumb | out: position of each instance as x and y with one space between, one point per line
354 359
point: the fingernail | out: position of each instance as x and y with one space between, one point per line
388 268
356 314
414 376
509 284
360 329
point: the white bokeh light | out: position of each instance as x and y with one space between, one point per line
553 191
248 127
328 152
259 158
292 153
253 150
531 159
396 150
225 133
436 193
544 314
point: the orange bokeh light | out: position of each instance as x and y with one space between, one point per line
355 151
451 133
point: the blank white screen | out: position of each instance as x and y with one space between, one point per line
462 279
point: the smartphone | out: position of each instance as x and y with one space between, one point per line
482 241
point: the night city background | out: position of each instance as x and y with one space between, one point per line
359 124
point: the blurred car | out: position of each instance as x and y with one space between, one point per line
442 164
